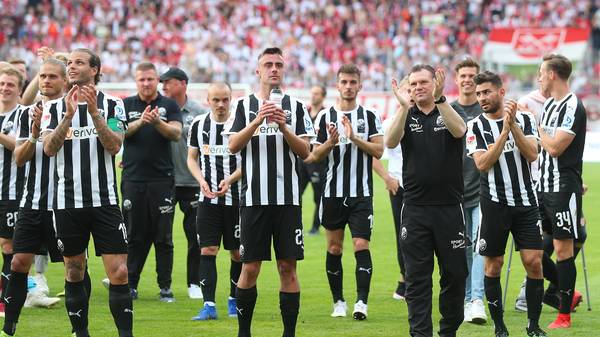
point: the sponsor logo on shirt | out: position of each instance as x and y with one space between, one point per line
267 129
135 115
415 125
215 150
82 132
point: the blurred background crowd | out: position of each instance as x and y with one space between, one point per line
219 40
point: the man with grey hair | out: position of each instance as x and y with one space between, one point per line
175 83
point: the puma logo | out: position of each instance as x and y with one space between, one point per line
7 299
336 273
239 310
128 310
78 313
495 303
202 283
367 270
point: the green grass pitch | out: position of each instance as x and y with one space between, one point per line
387 317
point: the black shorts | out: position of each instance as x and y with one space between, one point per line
148 210
8 218
356 212
258 224
499 219
35 234
561 214
105 224
216 221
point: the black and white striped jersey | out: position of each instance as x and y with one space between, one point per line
269 166
563 174
85 174
215 159
39 183
509 181
349 169
11 183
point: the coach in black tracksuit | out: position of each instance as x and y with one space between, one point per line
148 181
432 219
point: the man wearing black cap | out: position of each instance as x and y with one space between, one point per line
147 181
175 83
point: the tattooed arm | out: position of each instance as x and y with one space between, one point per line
111 140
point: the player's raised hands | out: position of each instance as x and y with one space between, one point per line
348 131
71 101
401 92
438 83
45 53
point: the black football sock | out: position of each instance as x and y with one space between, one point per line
534 293
549 269
5 271
493 293
234 274
364 271
121 308
87 282
76 303
14 298
245 301
208 277
289 304
335 276
567 274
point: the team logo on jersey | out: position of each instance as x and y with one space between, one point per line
360 126
162 113
215 150
61 246
415 125
189 119
308 125
288 117
440 125
482 245
126 204
403 233
7 127
242 250
134 114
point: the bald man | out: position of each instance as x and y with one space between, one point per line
216 170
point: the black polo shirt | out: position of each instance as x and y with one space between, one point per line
432 168
147 154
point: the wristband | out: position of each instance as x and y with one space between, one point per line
440 100
33 140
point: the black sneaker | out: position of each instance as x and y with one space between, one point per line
400 292
536 332
166 295
501 333
134 294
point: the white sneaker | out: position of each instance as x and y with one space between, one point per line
40 300
339 309
106 282
521 302
41 283
195 292
468 317
360 311
478 315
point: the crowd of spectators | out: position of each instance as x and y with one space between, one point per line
219 40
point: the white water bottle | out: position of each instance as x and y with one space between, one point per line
275 97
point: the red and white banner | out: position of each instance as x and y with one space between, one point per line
521 46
